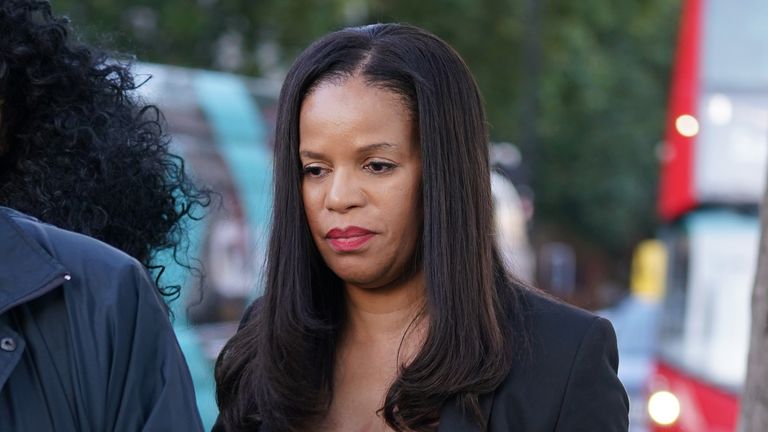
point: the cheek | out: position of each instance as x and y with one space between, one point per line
312 200
406 208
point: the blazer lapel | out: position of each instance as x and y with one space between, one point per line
453 419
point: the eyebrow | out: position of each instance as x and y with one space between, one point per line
362 150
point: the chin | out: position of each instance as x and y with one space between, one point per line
359 277
353 268
361 280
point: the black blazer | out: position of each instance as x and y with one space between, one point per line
566 382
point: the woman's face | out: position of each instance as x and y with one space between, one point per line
361 182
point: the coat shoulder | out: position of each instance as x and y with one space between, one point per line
565 347
550 322
98 274
554 332
69 247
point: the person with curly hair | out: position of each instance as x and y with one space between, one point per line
89 193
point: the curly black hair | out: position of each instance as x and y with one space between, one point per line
78 149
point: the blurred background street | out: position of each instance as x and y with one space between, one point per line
629 141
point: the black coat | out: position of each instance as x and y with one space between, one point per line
566 382
85 341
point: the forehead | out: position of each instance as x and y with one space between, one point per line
353 110
352 91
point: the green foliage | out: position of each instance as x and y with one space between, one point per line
603 96
601 85
487 33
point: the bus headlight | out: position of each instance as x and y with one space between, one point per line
687 125
664 408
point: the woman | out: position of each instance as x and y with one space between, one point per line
85 340
387 306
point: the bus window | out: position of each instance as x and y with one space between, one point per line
705 321
673 311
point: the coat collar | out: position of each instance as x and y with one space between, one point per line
27 270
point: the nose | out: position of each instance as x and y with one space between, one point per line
344 193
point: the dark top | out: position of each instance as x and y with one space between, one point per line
564 381
85 340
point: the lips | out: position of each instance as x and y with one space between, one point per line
349 239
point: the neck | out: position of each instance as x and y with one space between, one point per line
384 313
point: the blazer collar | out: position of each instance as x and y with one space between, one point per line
27 270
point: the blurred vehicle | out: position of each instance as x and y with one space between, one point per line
635 320
222 125
704 327
513 210
512 228
712 180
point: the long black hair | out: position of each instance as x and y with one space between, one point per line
278 369
76 149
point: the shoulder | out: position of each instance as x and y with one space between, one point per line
549 321
98 273
557 332
69 247
568 365
558 335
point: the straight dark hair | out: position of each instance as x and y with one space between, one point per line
277 370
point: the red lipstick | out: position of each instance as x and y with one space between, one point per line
348 239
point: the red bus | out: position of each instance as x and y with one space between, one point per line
713 175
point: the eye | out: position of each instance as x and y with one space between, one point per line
379 167
314 171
